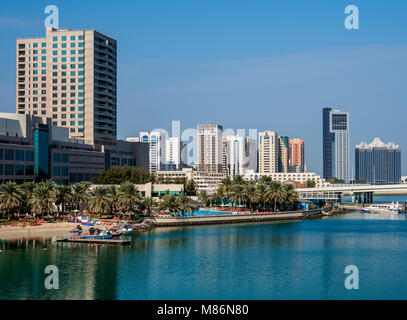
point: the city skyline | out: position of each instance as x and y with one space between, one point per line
251 81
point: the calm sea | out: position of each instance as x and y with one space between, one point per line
286 260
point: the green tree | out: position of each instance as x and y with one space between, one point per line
128 197
63 196
190 188
250 195
237 194
184 204
148 205
99 200
274 193
203 196
43 198
80 195
170 202
310 183
10 198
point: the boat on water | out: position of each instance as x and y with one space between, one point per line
127 229
95 233
392 208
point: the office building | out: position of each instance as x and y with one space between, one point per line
32 148
297 155
70 76
335 144
240 154
209 155
156 142
378 162
268 152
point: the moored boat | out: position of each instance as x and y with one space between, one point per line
392 208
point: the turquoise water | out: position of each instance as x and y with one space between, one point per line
286 260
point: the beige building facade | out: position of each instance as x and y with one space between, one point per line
268 151
71 77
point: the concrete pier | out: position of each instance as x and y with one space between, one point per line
238 218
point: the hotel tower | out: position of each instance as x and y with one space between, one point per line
71 77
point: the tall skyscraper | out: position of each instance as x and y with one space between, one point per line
297 155
284 153
156 141
71 77
378 162
240 154
268 152
173 150
209 157
336 144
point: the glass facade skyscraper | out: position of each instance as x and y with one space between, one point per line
335 144
378 162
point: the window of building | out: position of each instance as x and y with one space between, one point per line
19 170
9 154
8 170
20 155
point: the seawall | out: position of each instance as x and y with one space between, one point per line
242 218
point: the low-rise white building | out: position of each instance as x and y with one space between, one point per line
292 177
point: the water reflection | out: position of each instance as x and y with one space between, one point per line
290 260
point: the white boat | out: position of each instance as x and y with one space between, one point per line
392 208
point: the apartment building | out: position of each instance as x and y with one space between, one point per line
297 155
209 155
70 76
268 152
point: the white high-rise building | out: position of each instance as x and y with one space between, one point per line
173 149
209 148
156 140
240 154
268 150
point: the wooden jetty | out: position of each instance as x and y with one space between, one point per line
97 241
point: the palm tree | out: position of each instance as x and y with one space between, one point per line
128 197
250 195
170 202
290 195
148 205
261 194
100 200
184 203
203 196
80 195
274 193
43 199
114 198
10 197
63 194
237 194
227 186
238 179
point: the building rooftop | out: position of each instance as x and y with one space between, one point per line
377 143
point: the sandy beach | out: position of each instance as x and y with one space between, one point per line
46 230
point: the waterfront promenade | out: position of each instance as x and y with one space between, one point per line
236 218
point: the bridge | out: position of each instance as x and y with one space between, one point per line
360 193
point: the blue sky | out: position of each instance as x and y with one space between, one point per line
244 64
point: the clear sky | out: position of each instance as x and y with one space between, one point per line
243 64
